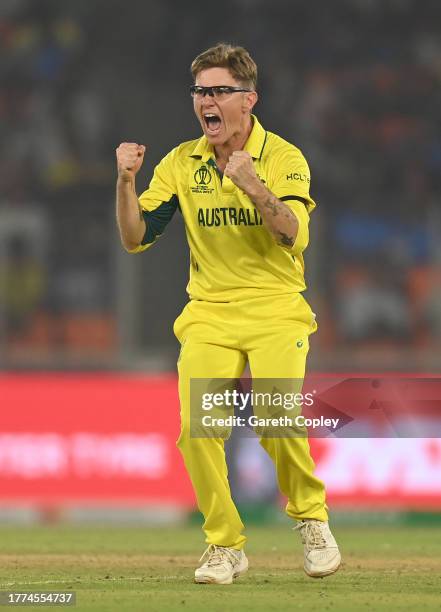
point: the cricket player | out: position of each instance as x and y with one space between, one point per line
244 196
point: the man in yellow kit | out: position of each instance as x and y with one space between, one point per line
244 196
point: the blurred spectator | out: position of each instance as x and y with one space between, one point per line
372 305
22 288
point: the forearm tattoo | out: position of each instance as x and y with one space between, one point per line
278 208
286 240
272 204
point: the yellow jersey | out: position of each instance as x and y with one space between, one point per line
232 254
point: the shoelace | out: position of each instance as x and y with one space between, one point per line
218 554
312 535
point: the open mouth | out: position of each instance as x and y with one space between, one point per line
213 123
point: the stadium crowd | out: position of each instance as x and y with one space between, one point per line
356 85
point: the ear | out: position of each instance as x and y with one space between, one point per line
250 100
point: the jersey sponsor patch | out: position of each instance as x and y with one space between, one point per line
297 176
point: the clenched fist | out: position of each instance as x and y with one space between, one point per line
129 158
240 169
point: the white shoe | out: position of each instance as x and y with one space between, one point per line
321 554
221 566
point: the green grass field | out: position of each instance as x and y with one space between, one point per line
135 569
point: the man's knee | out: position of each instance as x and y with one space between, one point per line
201 440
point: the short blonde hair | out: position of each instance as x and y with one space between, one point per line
236 59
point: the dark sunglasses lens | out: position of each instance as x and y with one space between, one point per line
222 91
197 90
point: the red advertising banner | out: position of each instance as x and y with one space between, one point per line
91 438
111 439
383 473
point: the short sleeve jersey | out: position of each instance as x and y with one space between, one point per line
232 254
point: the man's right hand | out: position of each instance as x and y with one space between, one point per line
129 158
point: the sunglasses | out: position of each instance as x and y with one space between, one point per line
217 91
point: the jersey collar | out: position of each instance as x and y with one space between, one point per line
254 145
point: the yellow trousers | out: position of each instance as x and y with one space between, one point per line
217 340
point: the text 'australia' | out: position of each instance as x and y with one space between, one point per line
214 217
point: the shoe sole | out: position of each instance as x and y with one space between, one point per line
211 580
323 574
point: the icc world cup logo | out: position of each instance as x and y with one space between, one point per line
202 176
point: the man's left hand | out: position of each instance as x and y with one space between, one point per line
240 170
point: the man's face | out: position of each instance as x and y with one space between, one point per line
222 118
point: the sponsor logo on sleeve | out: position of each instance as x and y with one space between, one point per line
297 176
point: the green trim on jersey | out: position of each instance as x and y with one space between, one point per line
156 220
